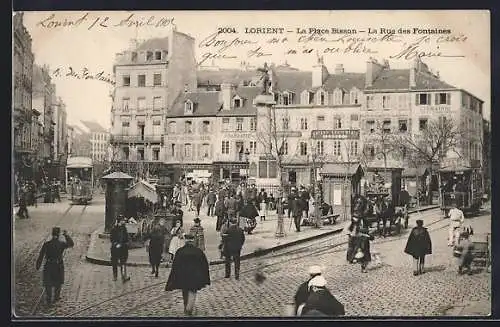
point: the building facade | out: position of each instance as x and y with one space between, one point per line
22 96
99 141
150 76
42 101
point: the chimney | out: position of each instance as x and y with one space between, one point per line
226 95
319 73
373 69
413 77
339 69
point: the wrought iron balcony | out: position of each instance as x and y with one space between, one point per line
120 138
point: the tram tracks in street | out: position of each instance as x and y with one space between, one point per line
60 223
332 244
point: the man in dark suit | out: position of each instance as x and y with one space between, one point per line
211 199
234 238
119 248
53 270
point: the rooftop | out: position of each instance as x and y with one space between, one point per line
93 126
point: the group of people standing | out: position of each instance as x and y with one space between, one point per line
27 194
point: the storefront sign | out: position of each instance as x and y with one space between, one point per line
436 109
236 135
288 134
335 134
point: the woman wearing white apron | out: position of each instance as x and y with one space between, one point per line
177 240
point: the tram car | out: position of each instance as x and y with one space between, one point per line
80 179
461 187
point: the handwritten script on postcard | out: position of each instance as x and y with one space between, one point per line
406 44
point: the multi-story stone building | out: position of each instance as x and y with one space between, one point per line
404 101
150 76
42 102
60 155
22 109
191 134
99 141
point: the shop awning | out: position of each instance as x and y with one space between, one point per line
340 169
143 189
412 172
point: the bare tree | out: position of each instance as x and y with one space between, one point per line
437 138
273 138
381 144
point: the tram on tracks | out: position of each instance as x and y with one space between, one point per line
80 179
461 186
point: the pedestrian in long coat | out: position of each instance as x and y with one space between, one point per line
220 212
190 273
23 208
297 209
362 252
233 239
155 248
53 270
418 246
199 235
211 200
197 199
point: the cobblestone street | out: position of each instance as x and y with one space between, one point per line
388 289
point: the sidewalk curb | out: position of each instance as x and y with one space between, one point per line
104 262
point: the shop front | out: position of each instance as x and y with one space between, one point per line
234 172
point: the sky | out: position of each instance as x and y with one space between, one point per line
464 44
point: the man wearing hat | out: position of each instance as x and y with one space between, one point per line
199 236
53 270
233 239
190 273
303 292
119 248
320 301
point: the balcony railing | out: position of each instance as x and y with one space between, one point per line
137 110
136 138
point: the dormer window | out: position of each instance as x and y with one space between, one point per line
354 97
188 107
149 55
238 102
134 56
287 98
337 97
321 99
157 55
311 98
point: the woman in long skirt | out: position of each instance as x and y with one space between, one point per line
362 254
177 240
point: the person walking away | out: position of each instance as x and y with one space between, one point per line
196 201
22 213
176 242
297 210
155 248
304 198
119 249
291 201
234 238
199 235
418 246
190 273
466 247
362 252
53 270
232 207
456 220
55 190
321 302
302 293
220 212
211 200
